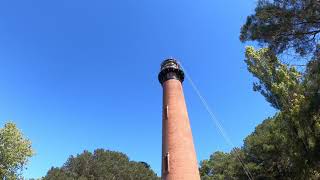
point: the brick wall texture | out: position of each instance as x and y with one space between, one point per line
177 141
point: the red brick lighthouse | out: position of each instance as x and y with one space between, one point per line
179 161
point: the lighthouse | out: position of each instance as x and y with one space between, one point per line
179 161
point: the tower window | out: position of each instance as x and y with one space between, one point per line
167 112
166 163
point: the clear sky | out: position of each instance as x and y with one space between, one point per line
79 75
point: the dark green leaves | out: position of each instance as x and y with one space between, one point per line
284 24
101 164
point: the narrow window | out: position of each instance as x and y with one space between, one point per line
166 163
167 112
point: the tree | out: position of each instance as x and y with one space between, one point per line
223 166
291 92
101 164
285 146
261 157
267 151
15 150
284 25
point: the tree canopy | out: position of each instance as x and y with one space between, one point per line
15 150
284 24
285 146
101 164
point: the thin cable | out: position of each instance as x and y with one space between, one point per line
217 123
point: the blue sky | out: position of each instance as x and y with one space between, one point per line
79 75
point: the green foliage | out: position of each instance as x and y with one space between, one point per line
102 164
293 94
14 152
287 145
267 151
223 166
279 84
284 24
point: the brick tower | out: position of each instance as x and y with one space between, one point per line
179 161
